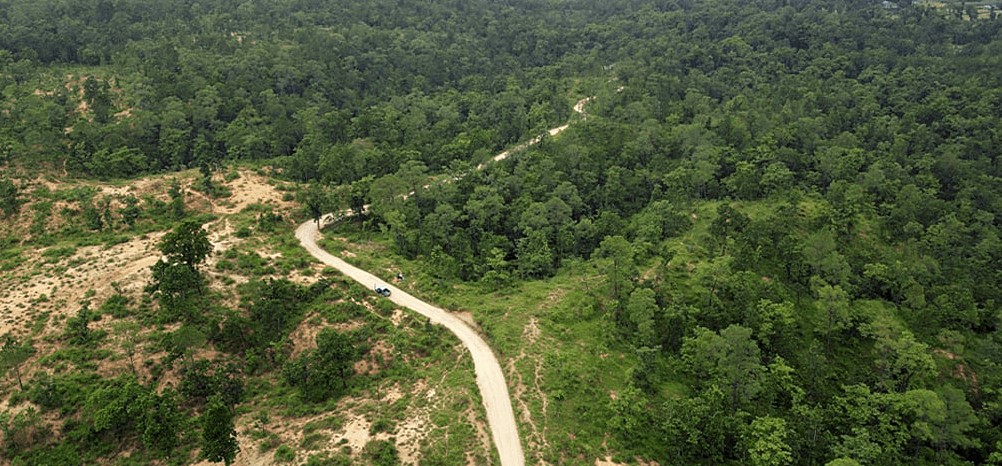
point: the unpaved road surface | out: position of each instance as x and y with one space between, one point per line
490 378
578 108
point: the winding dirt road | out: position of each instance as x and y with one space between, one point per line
490 378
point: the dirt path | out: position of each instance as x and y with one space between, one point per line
490 378
578 108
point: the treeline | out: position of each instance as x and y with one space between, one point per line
118 88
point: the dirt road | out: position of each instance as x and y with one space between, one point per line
490 378
578 108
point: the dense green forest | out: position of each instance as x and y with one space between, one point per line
793 207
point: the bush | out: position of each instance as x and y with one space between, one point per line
53 255
78 331
22 430
116 306
381 453
285 454
381 425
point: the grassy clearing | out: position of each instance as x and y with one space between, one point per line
558 347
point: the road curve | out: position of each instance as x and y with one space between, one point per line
490 378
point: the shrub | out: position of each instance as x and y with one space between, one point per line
285 454
381 453
116 306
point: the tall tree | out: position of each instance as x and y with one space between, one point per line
9 201
766 442
641 309
12 355
323 372
619 269
730 360
219 436
188 244
176 275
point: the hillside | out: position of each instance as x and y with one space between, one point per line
772 238
76 298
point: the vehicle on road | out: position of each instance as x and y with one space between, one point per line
382 290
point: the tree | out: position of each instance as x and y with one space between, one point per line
631 416
184 341
92 217
187 244
219 436
12 355
316 200
858 446
277 305
176 201
335 354
619 270
535 259
729 221
833 302
381 453
78 329
97 95
959 419
162 422
176 275
766 442
358 194
821 255
175 138
123 162
123 406
901 362
730 360
498 273
324 371
641 310
9 202
485 209
131 211
173 284
128 340
698 429
771 320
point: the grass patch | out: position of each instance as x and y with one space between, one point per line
285 454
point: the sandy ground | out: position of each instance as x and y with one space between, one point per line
59 287
55 290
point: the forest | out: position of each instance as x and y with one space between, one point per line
783 216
